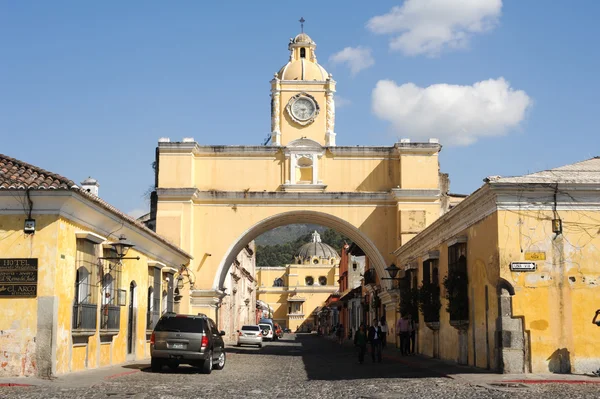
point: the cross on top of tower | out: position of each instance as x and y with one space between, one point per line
302 21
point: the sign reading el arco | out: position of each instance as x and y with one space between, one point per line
18 277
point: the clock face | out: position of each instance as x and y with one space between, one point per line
303 109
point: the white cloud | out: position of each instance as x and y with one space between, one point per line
341 101
457 115
357 58
136 213
428 26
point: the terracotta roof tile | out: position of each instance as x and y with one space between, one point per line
18 175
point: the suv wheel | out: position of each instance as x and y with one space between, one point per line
220 362
156 365
208 363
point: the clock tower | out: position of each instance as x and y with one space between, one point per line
302 103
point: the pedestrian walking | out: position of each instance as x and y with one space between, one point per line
360 341
402 326
412 330
384 331
340 333
375 340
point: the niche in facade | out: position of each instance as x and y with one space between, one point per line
322 280
309 280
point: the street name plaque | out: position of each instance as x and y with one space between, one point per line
523 266
18 278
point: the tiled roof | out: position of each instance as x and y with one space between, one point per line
584 172
17 175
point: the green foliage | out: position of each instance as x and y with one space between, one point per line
282 254
457 294
287 234
409 301
429 302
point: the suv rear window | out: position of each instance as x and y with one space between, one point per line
250 328
180 324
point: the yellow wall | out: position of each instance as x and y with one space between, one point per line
559 300
482 261
294 276
54 244
18 318
258 173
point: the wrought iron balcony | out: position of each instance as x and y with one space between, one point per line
84 316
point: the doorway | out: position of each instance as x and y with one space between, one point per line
131 320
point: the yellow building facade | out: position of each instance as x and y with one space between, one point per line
64 306
297 291
529 248
213 200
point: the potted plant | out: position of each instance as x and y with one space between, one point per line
430 304
457 293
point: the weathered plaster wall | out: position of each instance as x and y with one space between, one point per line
24 349
559 299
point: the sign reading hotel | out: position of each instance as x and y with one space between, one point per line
523 266
18 277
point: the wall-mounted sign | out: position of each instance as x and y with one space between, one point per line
522 266
535 256
18 277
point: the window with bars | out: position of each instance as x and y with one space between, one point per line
111 281
154 297
457 283
85 305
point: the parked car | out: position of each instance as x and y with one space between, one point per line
287 330
250 335
267 331
271 323
187 339
278 331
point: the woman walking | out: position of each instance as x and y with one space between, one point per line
340 333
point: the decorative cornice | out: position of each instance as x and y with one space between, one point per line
293 188
411 194
216 150
272 197
93 237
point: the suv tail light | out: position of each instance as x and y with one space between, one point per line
240 333
152 339
204 342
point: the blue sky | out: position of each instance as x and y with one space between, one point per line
87 88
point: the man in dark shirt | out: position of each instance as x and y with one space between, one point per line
375 340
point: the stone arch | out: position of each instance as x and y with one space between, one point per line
302 216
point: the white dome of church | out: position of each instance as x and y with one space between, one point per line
303 61
316 249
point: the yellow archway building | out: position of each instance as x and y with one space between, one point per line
213 200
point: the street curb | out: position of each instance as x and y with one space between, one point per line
12 384
547 382
110 377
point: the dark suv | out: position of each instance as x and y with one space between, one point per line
194 340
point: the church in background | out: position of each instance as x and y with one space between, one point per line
298 291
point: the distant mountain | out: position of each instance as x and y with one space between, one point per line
288 233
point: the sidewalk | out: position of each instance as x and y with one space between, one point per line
472 375
80 379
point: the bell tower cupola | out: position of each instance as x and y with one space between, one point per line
302 97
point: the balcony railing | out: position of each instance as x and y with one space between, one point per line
84 316
111 317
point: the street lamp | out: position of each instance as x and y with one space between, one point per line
393 271
121 248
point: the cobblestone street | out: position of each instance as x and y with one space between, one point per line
301 366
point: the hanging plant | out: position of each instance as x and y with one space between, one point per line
429 302
457 294
409 302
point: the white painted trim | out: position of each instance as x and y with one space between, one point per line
457 240
88 235
169 269
434 254
155 263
